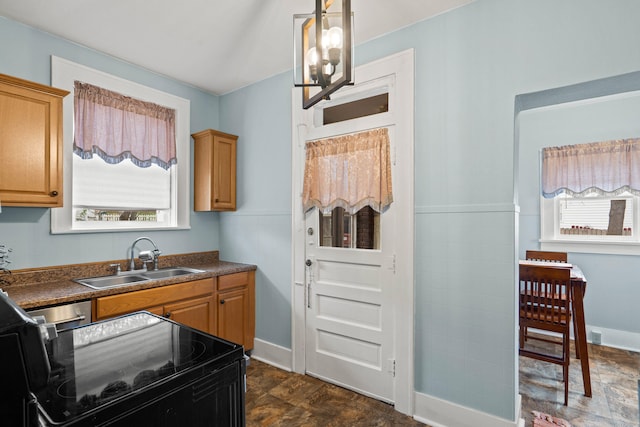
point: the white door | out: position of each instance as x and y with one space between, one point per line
349 334
353 308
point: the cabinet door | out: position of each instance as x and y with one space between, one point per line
233 316
198 313
214 171
30 143
224 182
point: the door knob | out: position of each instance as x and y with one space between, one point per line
308 262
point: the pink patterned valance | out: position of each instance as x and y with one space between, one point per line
118 127
351 172
608 167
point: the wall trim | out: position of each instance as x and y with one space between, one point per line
442 413
256 212
468 208
272 354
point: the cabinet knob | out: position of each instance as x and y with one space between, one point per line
54 193
167 314
215 200
221 301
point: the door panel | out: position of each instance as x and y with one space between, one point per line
350 314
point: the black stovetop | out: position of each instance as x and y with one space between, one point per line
107 362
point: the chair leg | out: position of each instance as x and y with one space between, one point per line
575 339
566 354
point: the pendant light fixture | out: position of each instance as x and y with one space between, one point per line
323 50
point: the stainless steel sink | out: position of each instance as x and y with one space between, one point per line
170 272
111 281
126 278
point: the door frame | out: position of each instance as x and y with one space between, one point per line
398 69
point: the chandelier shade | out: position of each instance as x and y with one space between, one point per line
323 50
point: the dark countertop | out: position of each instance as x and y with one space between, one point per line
54 285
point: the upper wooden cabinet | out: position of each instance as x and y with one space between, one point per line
214 173
30 143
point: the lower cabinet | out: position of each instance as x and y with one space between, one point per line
190 303
237 307
223 306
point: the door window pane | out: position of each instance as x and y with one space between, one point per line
338 229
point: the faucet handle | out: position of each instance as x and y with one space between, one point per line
117 267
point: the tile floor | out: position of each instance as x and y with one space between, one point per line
614 386
279 398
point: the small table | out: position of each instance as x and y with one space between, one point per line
578 290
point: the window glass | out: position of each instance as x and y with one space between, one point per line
360 108
339 229
105 193
595 216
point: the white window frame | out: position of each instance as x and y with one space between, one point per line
63 75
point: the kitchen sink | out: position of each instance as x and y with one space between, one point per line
111 281
126 278
165 273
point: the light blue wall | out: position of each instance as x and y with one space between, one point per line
470 65
259 231
26 53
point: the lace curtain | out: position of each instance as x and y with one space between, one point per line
350 172
118 127
607 168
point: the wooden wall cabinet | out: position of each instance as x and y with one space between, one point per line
30 143
214 174
222 306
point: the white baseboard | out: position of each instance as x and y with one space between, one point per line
441 413
609 337
273 354
615 338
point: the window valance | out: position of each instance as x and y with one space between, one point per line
606 168
118 127
351 172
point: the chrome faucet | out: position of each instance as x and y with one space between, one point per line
156 255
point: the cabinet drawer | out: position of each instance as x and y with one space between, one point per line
229 281
142 300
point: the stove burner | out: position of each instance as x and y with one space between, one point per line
115 388
144 378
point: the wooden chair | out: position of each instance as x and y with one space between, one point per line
546 256
544 306
550 256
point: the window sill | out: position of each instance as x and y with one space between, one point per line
591 246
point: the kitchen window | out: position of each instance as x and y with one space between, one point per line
120 195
